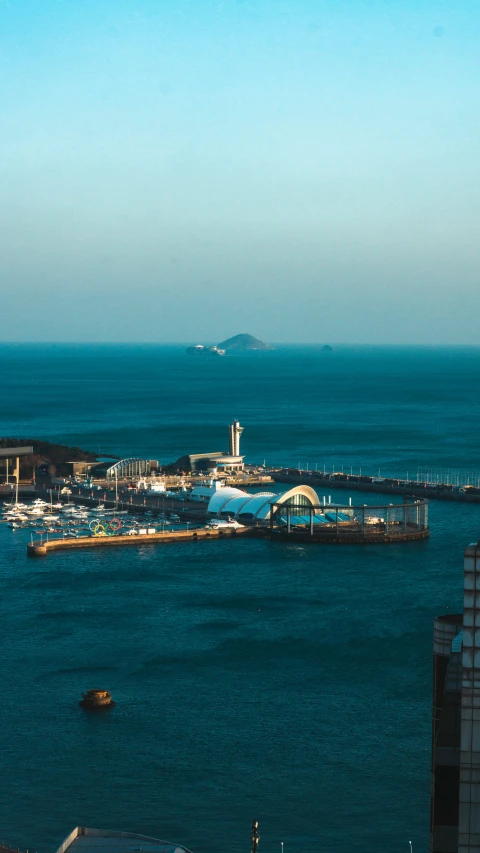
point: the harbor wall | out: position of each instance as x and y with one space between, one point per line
40 548
339 482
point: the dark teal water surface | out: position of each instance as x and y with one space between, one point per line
252 679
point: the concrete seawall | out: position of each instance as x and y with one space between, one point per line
41 549
347 536
416 490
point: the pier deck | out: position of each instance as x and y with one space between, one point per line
39 548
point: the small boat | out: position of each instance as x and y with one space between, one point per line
95 700
220 523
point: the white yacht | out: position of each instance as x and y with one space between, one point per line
216 523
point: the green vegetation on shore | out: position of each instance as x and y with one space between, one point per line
46 452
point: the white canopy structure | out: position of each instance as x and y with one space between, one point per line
236 503
222 496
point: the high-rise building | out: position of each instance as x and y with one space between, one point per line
455 792
234 433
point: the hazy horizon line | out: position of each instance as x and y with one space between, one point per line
207 342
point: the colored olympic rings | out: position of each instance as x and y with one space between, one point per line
115 524
97 528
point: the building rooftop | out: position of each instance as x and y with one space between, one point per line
11 452
85 840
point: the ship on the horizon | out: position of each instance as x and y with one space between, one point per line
200 349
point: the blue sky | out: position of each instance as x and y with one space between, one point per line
305 171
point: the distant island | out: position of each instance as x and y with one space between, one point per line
243 343
327 348
239 343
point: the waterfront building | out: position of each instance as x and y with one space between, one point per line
212 463
80 468
217 462
204 493
13 454
86 840
246 507
455 788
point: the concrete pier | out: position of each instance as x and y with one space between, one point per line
39 548
369 484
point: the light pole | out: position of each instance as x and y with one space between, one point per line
411 847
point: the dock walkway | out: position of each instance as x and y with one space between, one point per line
40 548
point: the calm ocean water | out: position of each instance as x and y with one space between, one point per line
252 679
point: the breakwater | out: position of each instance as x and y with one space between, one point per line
40 548
347 535
370 484
352 536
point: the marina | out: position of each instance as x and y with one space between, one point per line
295 515
214 508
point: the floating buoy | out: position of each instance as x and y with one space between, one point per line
95 700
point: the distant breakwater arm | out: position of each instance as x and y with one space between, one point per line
387 487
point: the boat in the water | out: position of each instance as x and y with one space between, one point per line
94 700
199 349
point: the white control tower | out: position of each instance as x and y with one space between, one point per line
234 433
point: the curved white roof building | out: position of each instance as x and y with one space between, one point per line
257 507
235 504
222 496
